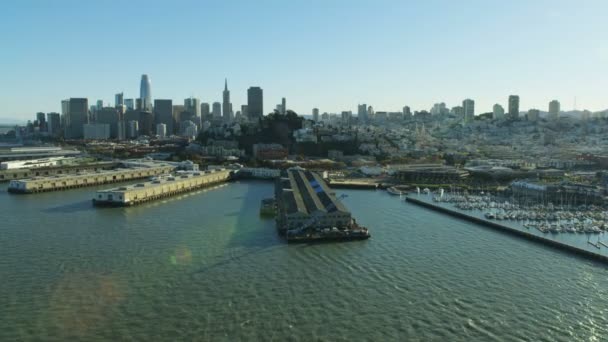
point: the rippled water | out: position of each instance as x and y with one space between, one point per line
206 267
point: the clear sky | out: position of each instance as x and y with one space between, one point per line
330 54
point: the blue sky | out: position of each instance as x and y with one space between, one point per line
329 54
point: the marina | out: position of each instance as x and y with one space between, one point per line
160 187
581 244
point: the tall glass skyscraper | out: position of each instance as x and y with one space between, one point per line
145 93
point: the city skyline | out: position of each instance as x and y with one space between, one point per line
413 56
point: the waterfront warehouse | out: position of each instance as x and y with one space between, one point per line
68 181
161 187
308 210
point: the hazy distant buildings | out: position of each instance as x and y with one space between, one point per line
533 115
315 114
513 107
189 129
468 106
119 99
498 112
163 114
145 93
76 115
133 129
255 102
146 123
554 109
226 105
407 112
245 111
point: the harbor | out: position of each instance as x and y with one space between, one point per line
160 187
588 244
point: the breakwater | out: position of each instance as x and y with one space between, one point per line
505 228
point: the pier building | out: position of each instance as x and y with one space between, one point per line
160 187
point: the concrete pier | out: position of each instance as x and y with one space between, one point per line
507 229
69 181
13 174
162 187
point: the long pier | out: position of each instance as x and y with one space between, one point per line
70 181
507 229
14 174
160 188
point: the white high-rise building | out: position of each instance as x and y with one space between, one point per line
498 112
315 114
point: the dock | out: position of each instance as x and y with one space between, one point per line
79 180
162 187
504 228
15 174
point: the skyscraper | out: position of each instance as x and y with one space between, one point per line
362 113
163 114
205 111
216 110
119 100
255 102
226 106
76 116
145 93
53 123
245 111
407 112
513 107
469 110
498 112
109 116
554 108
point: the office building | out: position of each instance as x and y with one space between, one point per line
255 102
189 129
119 100
133 129
498 112
130 103
216 110
53 122
96 131
77 114
468 106
163 114
554 108
145 93
244 111
205 111
109 116
513 107
146 123
226 105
